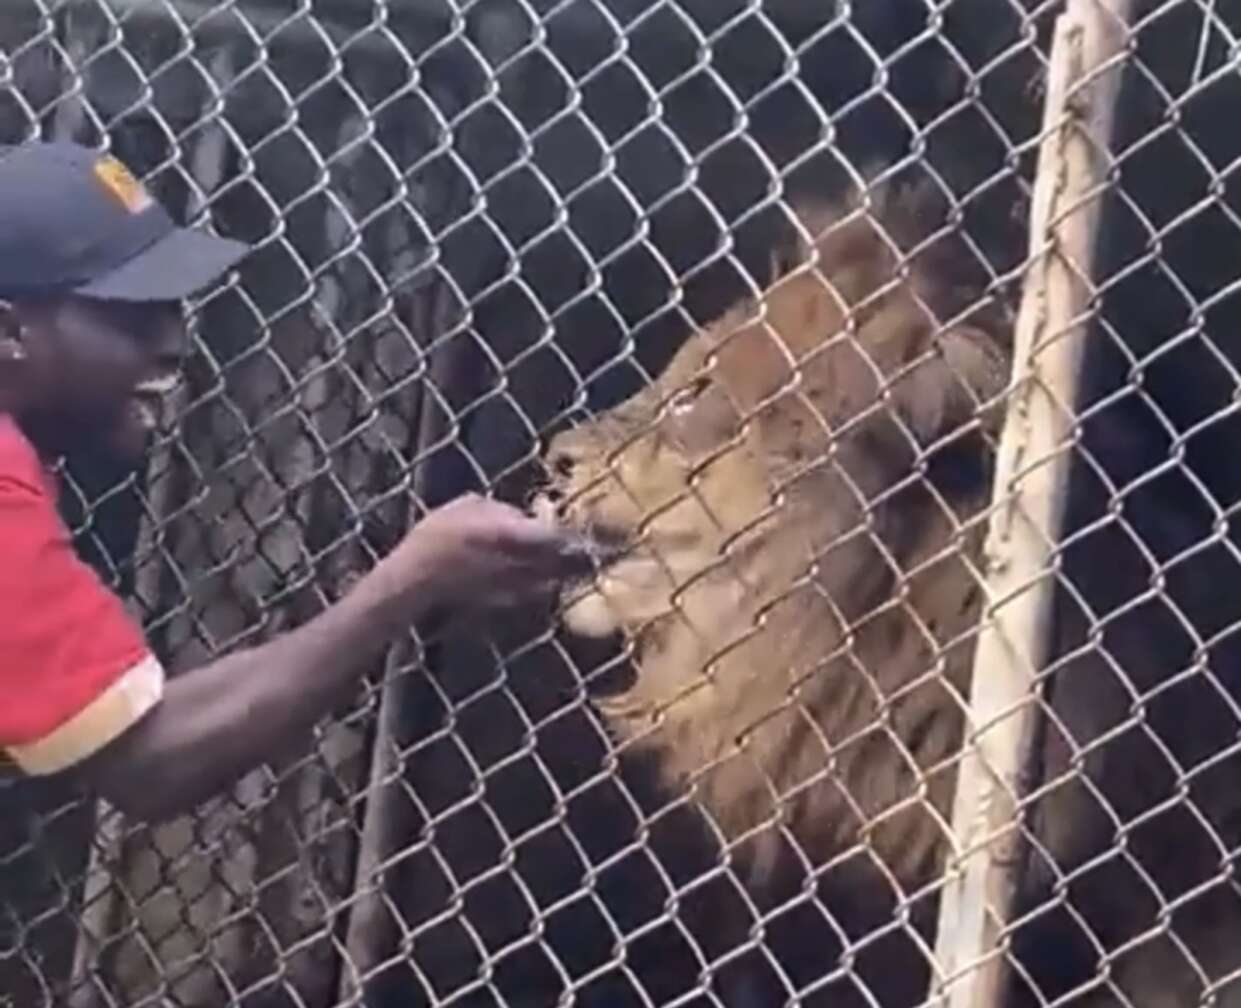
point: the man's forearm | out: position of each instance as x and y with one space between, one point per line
217 721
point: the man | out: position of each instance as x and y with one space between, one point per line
94 272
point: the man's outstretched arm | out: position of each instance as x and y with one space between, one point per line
216 722
213 724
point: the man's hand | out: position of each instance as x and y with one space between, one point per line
478 553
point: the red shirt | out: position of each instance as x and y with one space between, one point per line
75 670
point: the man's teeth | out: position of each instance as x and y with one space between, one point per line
148 398
160 386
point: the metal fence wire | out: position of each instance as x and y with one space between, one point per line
890 347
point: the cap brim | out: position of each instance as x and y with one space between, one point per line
180 264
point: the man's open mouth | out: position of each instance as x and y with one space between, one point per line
148 399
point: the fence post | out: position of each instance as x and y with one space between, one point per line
1031 481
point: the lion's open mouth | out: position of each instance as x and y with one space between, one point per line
607 549
606 544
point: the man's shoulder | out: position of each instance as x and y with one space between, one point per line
19 462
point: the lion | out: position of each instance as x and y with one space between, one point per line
790 523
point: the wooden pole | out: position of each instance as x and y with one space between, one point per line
1031 481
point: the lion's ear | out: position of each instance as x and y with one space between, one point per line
958 384
809 221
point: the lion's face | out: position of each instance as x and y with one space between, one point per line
787 415
664 482
759 506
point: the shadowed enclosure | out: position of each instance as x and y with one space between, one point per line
731 286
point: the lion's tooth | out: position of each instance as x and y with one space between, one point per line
543 508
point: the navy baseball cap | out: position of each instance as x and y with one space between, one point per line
76 221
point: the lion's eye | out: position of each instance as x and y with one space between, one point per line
683 401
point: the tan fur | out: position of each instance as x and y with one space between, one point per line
802 603
732 494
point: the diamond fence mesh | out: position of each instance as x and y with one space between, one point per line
731 285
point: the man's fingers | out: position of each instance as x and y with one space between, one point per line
572 555
537 542
537 535
559 551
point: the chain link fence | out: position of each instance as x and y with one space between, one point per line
736 286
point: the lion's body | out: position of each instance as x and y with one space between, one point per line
803 606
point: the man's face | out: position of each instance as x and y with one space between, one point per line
98 373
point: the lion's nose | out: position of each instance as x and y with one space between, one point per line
560 464
563 455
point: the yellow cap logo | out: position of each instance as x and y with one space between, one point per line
118 180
